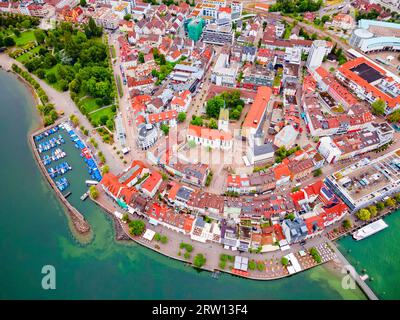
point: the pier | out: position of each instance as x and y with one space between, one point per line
357 278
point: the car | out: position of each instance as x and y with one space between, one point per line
303 242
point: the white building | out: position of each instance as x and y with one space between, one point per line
212 138
286 137
319 49
224 73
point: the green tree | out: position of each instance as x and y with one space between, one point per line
213 124
199 260
181 116
8 42
284 261
317 172
346 224
261 266
40 36
105 169
378 107
196 121
94 193
364 214
137 227
51 77
82 3
380 206
373 210
390 202
141 57
252 265
125 218
127 17
165 129
164 239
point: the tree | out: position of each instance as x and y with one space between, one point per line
105 169
390 202
252 265
364 214
373 210
17 33
284 261
125 218
213 124
137 227
127 17
261 266
196 121
164 239
40 36
181 116
51 77
83 3
165 129
346 223
199 260
157 237
94 193
380 206
317 172
9 42
141 57
378 107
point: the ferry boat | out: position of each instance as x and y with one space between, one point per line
370 229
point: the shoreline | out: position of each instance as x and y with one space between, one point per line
119 227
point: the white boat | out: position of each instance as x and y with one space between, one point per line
370 229
91 182
84 196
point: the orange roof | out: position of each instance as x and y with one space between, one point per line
258 107
345 69
281 170
152 181
163 116
188 224
207 133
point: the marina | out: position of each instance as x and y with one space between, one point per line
370 229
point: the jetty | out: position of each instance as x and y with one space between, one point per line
354 274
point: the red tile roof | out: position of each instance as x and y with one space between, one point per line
210 134
258 107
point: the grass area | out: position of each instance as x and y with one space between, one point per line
28 55
89 104
95 116
24 38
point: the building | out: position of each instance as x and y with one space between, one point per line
367 181
260 153
224 73
106 18
195 28
255 118
212 138
168 117
286 137
147 135
294 230
195 174
219 35
375 35
343 21
181 102
349 145
319 49
370 82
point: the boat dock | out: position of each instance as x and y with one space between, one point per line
351 270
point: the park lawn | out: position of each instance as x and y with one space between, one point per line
89 104
95 116
24 38
28 55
